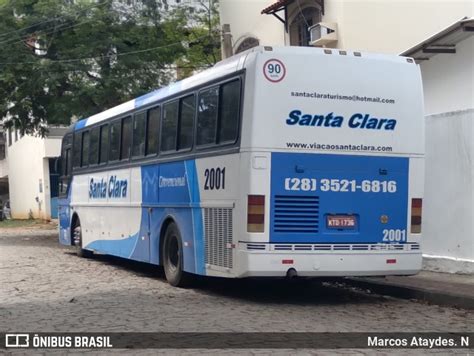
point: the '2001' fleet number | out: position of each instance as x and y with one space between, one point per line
214 179
392 235
340 185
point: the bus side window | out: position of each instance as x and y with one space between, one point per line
104 144
207 116
186 122
67 162
85 149
229 112
114 149
126 138
169 126
153 130
139 131
76 154
94 146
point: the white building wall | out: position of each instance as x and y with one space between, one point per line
448 213
29 176
448 217
388 26
393 26
448 80
246 21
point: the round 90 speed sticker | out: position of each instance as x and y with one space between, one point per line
274 70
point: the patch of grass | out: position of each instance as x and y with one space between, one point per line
20 223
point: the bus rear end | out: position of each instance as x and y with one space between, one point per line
334 142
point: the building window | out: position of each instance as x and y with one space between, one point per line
9 137
246 44
299 27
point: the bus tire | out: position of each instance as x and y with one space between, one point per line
77 240
173 258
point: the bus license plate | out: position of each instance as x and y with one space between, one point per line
341 221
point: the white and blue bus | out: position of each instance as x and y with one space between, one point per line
275 162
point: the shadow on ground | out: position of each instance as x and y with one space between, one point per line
300 291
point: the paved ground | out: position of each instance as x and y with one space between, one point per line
45 287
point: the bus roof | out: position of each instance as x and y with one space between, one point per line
222 68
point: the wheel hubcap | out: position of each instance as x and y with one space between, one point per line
77 236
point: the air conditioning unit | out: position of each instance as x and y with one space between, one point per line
323 33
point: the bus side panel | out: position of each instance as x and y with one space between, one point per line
64 217
128 223
218 181
170 192
108 206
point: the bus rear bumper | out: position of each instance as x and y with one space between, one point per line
331 264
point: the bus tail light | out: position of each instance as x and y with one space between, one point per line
256 213
416 204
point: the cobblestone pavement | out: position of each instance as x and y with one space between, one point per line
45 287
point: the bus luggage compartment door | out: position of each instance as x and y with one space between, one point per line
329 198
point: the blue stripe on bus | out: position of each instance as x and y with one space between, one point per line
120 248
157 94
80 124
193 183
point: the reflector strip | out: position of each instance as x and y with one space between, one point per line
255 218
416 213
256 213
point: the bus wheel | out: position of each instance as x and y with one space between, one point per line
77 236
173 258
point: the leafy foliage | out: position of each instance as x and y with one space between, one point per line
64 58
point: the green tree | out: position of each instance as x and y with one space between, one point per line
203 36
65 58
